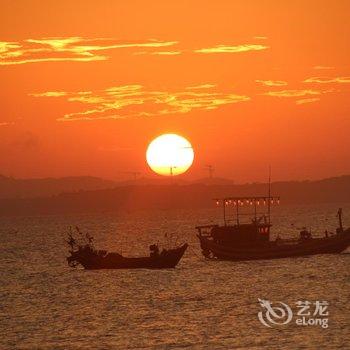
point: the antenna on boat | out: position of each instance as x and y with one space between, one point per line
340 218
269 200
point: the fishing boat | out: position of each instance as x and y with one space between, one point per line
83 252
239 240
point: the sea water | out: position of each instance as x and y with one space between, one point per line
44 304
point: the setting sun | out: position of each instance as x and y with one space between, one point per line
170 154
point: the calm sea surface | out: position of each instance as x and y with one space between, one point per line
44 304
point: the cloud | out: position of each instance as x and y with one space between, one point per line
214 49
307 100
50 94
232 49
5 123
272 82
261 37
203 86
79 49
120 102
292 93
166 53
8 46
324 80
322 67
68 49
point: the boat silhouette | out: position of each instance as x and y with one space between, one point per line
83 252
251 241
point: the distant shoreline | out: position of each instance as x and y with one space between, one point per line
187 196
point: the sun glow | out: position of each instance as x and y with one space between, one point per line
170 154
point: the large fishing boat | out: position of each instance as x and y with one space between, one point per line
239 240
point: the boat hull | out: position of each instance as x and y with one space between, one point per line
165 260
274 250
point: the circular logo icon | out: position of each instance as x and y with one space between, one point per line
274 315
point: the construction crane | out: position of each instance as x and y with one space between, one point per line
171 170
210 170
135 174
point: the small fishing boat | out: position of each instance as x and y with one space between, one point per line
83 252
251 240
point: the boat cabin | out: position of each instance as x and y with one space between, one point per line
241 228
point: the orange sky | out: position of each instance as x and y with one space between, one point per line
86 85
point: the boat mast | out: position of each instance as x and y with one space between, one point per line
269 200
224 206
340 218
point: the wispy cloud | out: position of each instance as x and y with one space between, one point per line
50 94
272 82
79 49
322 67
166 53
326 80
232 48
261 37
68 49
5 123
307 100
292 93
203 86
6 46
127 101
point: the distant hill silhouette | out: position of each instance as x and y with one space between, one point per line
167 196
26 188
160 180
23 188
